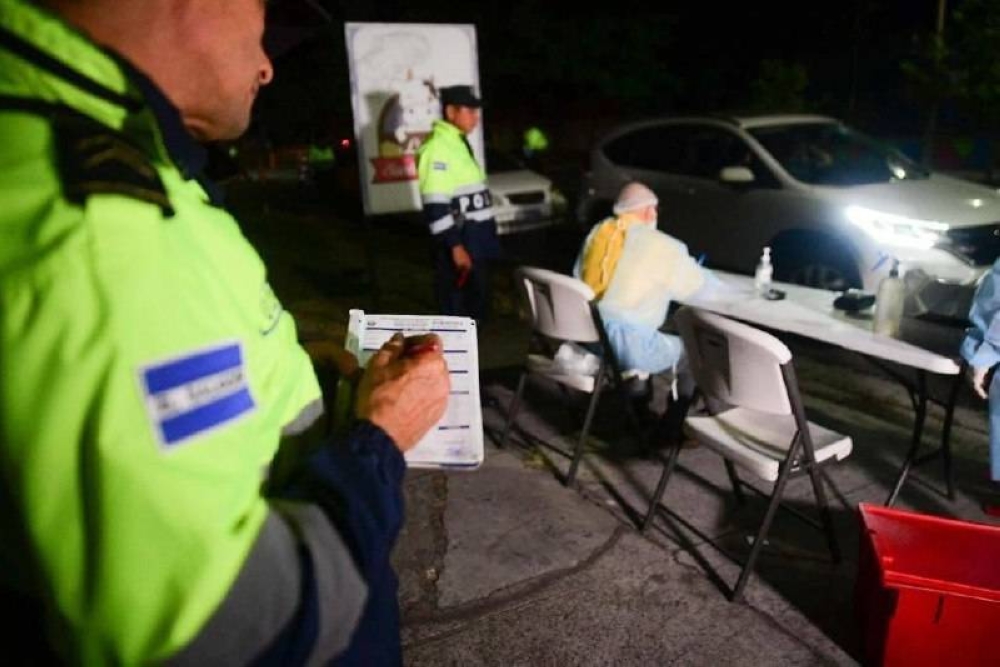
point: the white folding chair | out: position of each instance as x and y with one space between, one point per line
761 426
562 309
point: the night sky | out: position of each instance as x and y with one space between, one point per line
556 61
837 42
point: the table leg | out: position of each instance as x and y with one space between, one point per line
949 414
919 396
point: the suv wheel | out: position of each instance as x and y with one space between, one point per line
815 264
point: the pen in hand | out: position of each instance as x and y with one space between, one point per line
417 349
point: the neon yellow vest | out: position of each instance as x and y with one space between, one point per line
133 462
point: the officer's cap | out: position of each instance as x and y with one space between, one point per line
462 96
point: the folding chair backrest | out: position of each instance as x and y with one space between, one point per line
559 305
734 362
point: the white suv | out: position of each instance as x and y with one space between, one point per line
832 203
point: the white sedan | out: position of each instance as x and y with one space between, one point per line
522 199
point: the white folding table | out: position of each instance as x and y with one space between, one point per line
809 313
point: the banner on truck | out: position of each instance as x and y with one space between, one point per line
396 70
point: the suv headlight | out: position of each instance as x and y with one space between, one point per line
895 229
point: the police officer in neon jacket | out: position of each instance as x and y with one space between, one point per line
148 373
458 208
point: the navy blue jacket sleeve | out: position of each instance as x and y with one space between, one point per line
435 211
358 483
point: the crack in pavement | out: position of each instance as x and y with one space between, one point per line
514 596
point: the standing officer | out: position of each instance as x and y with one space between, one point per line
148 373
458 208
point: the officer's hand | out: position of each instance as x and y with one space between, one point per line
460 256
977 377
404 389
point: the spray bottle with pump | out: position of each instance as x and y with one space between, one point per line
763 275
889 302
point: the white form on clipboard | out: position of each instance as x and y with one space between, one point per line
456 441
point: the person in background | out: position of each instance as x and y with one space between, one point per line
458 208
981 350
636 271
534 143
150 374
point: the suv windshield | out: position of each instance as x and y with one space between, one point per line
833 154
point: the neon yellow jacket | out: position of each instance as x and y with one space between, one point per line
457 205
146 368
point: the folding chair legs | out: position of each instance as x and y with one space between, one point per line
824 512
668 469
515 405
772 508
512 411
734 479
581 443
758 542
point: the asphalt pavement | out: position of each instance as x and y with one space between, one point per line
505 565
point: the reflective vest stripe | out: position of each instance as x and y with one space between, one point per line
481 215
435 198
442 224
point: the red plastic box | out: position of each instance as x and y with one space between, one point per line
928 589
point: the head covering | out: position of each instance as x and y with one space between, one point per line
605 245
462 96
634 196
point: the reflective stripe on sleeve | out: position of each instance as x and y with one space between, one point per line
298 554
442 224
305 418
435 198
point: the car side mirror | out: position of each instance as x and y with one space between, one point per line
736 175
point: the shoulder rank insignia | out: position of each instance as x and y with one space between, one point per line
94 159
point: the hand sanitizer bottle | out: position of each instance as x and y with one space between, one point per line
889 302
762 276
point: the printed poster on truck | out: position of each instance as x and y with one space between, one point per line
396 70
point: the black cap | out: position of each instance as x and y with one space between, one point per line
462 96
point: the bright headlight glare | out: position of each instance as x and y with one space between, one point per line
897 230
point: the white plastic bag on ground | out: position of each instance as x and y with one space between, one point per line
575 359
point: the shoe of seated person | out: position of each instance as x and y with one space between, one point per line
638 388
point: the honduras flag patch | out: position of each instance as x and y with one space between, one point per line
194 394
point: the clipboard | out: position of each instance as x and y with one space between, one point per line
457 440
